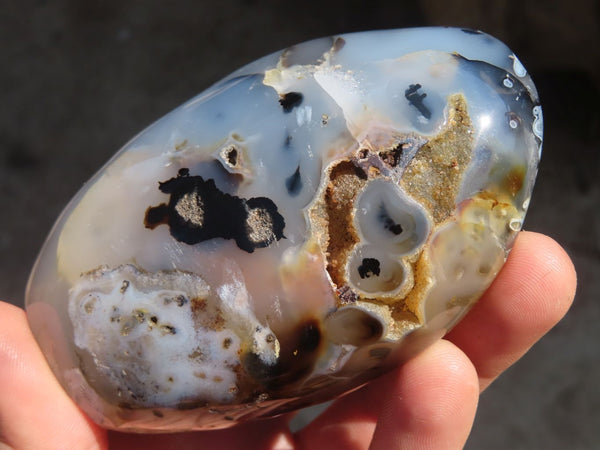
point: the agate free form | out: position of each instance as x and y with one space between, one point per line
307 223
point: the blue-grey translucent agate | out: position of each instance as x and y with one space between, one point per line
302 226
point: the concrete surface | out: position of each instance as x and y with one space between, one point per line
78 78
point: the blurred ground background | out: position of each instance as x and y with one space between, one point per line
79 78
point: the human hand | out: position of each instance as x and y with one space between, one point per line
429 402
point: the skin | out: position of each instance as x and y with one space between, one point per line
429 402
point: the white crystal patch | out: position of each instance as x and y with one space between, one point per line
159 339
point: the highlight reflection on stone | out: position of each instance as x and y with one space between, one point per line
304 225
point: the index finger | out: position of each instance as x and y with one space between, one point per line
533 291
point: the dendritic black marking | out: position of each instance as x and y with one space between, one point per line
415 99
198 211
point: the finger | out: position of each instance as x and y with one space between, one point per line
271 434
432 403
531 294
429 402
35 412
349 422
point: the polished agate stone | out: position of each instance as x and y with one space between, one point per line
304 225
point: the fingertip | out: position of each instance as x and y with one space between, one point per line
530 295
535 288
549 277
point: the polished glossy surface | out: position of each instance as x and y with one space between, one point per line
302 226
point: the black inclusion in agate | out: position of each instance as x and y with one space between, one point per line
198 211
290 100
416 99
369 267
388 223
293 183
